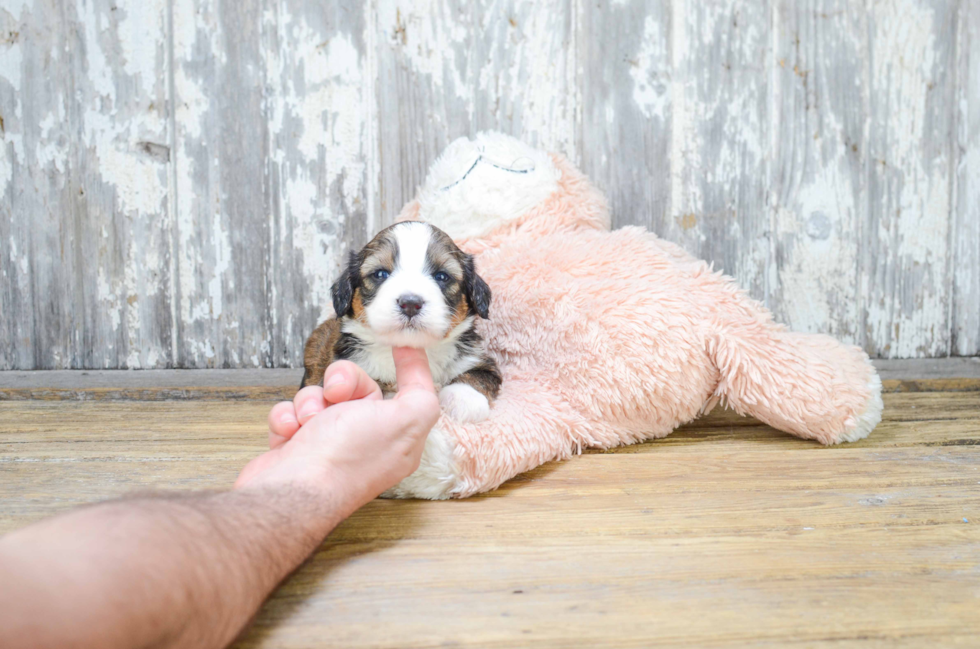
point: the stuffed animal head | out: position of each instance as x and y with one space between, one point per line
491 179
495 183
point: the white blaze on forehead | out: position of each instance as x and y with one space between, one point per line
410 277
412 240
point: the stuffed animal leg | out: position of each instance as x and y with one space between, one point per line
808 385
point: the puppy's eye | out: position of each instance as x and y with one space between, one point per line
441 277
380 274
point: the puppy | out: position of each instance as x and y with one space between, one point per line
411 287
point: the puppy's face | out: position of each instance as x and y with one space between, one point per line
411 286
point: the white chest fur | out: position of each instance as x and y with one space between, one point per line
446 359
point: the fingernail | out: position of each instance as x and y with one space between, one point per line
336 379
287 419
306 413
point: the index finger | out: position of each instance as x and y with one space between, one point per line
412 370
346 381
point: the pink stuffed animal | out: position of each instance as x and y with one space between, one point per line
608 338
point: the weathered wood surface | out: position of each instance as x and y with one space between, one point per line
725 533
911 375
966 233
179 179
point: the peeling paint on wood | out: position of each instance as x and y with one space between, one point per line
320 166
627 84
906 251
119 235
222 234
181 179
35 306
271 170
719 135
965 272
818 195
449 69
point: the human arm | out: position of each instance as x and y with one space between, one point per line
191 570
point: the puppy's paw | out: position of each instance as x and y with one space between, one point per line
463 403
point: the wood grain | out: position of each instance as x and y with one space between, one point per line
194 391
448 69
916 375
906 254
319 105
180 179
819 196
222 193
966 232
119 228
721 78
36 195
627 86
718 535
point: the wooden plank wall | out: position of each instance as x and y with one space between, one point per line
179 179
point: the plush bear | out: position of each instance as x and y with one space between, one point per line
608 337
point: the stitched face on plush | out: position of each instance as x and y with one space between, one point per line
479 184
411 286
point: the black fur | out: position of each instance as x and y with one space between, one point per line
469 342
476 290
342 290
347 345
484 378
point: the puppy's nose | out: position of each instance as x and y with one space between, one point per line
410 304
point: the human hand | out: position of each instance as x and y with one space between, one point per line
345 438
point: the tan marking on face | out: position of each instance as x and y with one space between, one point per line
443 259
357 304
462 311
378 254
444 254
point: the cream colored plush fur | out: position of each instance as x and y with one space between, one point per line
609 337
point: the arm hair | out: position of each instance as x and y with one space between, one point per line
156 570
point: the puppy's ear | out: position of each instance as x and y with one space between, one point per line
477 291
343 289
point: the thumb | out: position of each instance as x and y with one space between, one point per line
412 371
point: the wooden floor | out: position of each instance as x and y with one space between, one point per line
726 533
